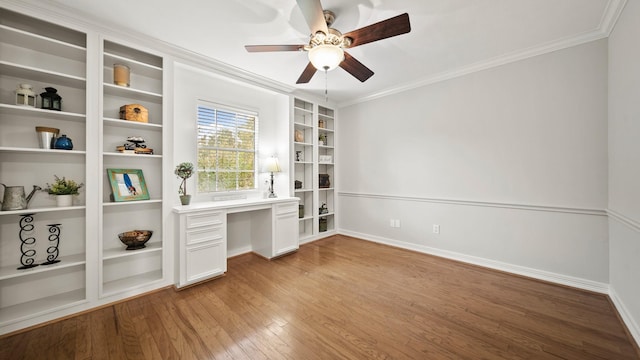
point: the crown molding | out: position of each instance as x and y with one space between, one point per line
610 16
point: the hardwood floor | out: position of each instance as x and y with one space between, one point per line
343 298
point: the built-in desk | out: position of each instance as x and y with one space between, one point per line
202 244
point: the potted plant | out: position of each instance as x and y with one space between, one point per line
64 190
184 171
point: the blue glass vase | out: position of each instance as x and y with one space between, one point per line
63 143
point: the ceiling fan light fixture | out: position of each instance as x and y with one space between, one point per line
326 57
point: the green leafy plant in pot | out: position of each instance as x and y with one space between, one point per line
64 190
184 171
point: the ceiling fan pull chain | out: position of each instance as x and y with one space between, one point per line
326 82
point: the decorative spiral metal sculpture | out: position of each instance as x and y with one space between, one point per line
54 241
27 242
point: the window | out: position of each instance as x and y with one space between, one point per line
227 143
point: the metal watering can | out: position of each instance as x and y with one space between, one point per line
14 197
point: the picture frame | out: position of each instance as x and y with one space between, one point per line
298 136
127 185
324 181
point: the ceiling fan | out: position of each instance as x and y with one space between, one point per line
326 44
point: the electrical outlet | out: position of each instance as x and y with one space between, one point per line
397 223
392 223
436 229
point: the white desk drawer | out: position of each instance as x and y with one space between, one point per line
205 219
196 236
286 208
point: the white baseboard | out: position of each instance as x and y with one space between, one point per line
239 251
628 320
492 264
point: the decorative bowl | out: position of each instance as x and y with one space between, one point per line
135 239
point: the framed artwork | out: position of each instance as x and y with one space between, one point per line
324 181
298 136
127 184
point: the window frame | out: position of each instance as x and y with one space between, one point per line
243 111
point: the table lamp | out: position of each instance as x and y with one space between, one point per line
272 166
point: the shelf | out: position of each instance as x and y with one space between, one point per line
122 252
137 67
331 213
8 109
302 190
302 125
326 163
41 210
18 150
325 130
303 162
131 124
10 272
41 75
306 218
133 203
132 155
325 116
41 43
308 111
325 147
139 280
41 306
302 144
325 189
111 89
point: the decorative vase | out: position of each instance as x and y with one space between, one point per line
185 199
64 200
63 143
47 136
121 75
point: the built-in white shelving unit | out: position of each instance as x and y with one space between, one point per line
43 55
94 268
311 157
122 270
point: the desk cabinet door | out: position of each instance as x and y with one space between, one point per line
286 230
206 260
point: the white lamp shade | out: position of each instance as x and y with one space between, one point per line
326 57
271 165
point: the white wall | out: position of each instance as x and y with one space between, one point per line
511 162
624 166
192 84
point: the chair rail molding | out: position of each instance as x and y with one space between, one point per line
530 207
631 223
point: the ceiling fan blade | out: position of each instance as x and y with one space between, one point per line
394 26
313 14
355 68
265 48
307 74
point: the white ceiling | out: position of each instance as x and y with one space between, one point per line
448 37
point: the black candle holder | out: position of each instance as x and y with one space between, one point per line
54 241
28 255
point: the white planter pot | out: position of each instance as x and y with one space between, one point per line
64 200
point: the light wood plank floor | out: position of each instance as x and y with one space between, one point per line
343 298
